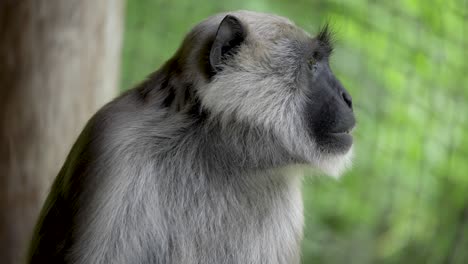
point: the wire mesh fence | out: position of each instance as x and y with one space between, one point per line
404 62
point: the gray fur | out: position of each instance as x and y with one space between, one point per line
187 169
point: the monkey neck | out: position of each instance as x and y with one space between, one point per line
234 149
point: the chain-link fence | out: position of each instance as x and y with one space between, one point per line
404 62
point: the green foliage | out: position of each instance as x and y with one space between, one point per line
404 62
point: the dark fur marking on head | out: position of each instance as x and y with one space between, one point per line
170 97
197 111
168 86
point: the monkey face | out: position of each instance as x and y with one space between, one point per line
329 115
266 71
329 110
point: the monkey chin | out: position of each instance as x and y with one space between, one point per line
335 164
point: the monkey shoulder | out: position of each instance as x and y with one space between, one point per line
111 143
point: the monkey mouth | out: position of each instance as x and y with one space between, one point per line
344 136
338 142
341 135
347 130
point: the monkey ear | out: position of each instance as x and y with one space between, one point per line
230 35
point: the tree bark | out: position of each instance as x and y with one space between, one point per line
59 62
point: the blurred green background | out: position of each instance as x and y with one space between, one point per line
404 62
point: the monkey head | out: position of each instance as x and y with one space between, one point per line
263 70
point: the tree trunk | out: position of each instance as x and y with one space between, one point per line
59 62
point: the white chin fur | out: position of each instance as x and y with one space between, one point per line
335 165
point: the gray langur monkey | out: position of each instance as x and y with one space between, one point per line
188 167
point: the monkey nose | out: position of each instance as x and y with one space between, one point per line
347 98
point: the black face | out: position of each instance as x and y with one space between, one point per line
329 110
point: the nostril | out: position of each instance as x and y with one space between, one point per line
347 98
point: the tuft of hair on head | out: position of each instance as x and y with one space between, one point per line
326 37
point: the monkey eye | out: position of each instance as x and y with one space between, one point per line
312 64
